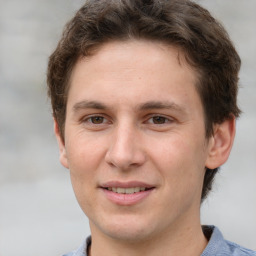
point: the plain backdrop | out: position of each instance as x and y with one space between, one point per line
39 214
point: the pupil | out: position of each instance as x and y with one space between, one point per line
159 120
97 120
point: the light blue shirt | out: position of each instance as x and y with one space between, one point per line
217 246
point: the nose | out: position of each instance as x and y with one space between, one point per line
125 150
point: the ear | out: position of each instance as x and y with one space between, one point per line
220 143
62 148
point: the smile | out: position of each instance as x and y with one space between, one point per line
126 193
126 190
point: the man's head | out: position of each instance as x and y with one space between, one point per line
182 24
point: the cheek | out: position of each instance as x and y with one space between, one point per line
84 154
84 158
180 162
83 164
170 153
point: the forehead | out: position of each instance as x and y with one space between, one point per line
132 52
132 69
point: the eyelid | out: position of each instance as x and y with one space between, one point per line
107 119
168 120
86 118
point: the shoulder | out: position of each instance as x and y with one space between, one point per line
238 250
220 247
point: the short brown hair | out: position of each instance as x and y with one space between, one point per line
182 23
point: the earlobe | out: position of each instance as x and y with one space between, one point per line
220 143
61 144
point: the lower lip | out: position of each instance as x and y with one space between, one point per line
126 199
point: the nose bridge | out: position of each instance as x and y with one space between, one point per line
124 150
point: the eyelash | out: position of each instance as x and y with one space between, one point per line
163 118
90 120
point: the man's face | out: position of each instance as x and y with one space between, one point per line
135 140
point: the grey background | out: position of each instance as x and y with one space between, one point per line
38 212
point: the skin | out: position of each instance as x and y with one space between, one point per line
133 114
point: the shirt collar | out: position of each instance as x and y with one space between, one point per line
216 240
212 233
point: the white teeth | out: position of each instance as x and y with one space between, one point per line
127 190
137 189
120 190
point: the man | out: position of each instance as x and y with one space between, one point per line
144 104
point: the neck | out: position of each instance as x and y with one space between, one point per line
185 240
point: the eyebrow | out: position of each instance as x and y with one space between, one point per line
161 105
144 106
88 104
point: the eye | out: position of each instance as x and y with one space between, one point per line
159 120
95 120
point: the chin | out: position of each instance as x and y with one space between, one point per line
131 230
129 236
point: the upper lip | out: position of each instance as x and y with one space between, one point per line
129 184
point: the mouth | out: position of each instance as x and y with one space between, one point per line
131 190
127 193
